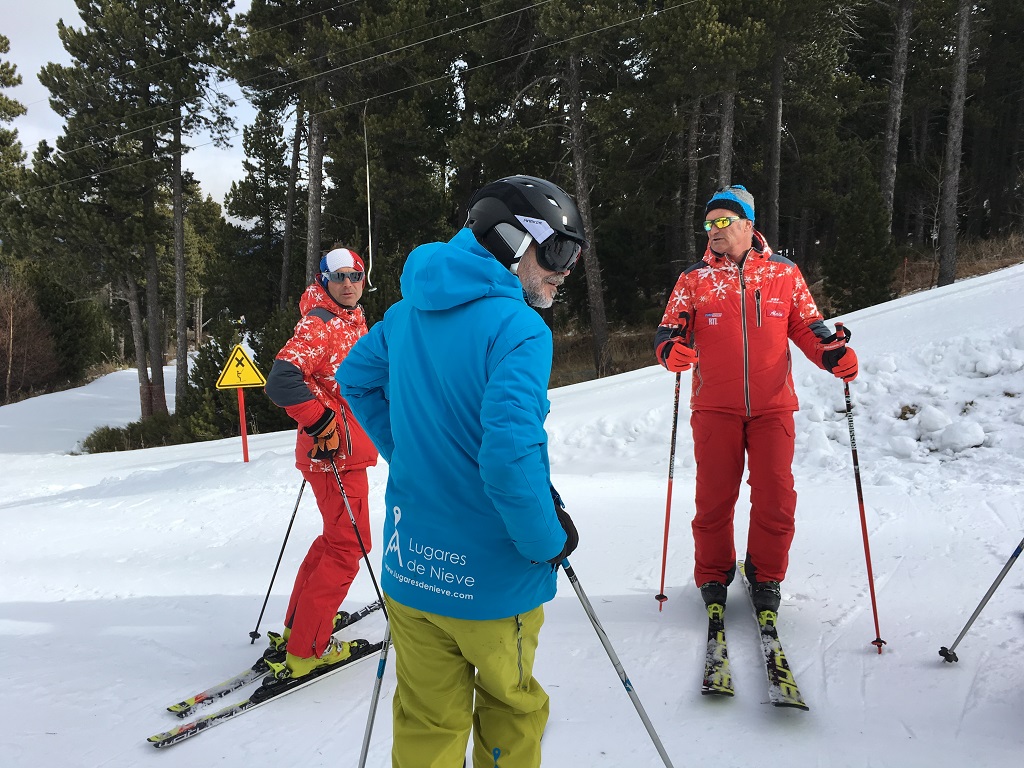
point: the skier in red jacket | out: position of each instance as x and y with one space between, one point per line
302 382
730 317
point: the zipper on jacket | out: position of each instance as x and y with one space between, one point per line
519 649
746 348
757 305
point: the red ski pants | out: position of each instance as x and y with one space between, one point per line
332 562
721 441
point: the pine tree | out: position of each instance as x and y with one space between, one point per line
11 154
861 270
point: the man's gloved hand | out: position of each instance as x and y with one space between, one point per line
326 440
842 362
572 538
676 356
839 359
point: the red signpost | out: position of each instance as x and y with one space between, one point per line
238 373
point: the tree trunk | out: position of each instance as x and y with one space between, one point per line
771 222
131 295
10 347
180 299
197 316
801 253
692 146
952 156
1017 208
154 332
725 135
677 223
154 325
905 13
581 166
289 216
919 151
316 186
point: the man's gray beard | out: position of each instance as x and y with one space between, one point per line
538 300
533 286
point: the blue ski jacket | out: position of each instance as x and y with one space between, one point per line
451 386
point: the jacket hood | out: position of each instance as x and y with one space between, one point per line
316 295
445 275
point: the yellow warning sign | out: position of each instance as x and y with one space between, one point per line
240 371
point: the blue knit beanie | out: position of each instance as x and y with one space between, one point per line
735 199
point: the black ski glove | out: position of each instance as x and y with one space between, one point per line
326 440
572 537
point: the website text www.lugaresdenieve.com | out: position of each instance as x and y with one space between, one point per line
424 585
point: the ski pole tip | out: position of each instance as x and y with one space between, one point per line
661 598
878 643
947 655
255 636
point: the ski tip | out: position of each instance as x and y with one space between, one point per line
791 705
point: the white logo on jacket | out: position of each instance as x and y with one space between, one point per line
393 543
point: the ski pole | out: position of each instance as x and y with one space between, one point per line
878 642
255 634
615 660
359 538
948 653
383 607
376 694
661 597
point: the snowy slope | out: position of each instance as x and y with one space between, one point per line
128 581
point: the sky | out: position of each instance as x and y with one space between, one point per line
35 42
129 581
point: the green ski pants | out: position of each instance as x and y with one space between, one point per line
440 664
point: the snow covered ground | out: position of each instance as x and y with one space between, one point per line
130 580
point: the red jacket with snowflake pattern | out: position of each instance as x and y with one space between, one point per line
740 319
302 379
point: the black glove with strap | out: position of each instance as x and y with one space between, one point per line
326 440
837 358
572 537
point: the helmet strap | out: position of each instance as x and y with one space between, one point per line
515 240
520 252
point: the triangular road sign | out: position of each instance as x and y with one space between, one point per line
240 371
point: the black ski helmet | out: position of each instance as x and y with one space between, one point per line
510 213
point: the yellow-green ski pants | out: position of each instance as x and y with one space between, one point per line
441 663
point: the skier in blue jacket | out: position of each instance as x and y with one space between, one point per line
451 386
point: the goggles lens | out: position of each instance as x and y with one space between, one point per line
340 277
558 254
721 223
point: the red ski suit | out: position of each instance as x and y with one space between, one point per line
302 382
740 319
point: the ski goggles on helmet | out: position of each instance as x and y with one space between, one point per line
558 254
339 277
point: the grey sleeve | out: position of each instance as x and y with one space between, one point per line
285 385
